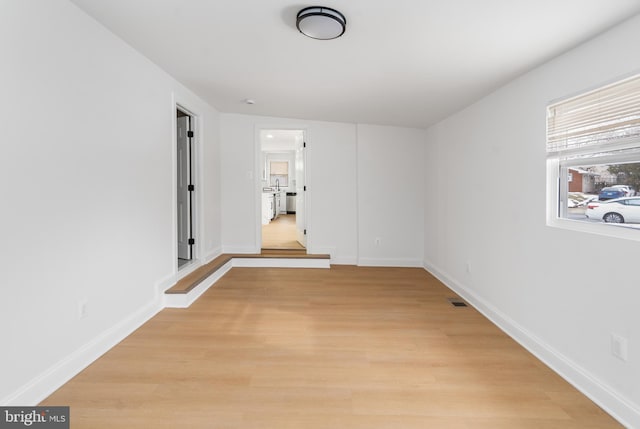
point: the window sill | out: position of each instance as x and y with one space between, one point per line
607 230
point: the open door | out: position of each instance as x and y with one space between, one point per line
281 167
185 188
301 188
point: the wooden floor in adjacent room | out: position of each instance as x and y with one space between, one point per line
281 233
343 348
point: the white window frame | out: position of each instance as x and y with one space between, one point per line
559 161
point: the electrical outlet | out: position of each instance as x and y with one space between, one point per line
468 266
82 309
619 347
377 241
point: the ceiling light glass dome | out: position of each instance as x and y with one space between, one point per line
321 23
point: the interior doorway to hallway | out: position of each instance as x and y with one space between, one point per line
185 187
280 233
282 163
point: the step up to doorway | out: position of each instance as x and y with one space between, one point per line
189 288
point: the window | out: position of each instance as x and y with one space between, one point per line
593 157
279 173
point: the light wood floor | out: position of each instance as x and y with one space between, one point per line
349 347
191 280
281 233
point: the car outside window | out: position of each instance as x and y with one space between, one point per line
593 155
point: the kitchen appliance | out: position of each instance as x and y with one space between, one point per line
291 202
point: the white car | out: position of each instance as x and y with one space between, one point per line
619 210
628 190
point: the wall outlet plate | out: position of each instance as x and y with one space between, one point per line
619 347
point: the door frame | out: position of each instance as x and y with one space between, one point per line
184 194
196 198
257 175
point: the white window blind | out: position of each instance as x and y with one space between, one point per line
279 167
605 115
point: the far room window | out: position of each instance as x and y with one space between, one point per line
279 173
593 148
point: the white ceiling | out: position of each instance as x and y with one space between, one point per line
401 62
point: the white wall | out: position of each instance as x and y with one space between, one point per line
88 192
552 289
331 184
390 195
348 196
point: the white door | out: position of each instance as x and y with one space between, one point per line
184 206
301 223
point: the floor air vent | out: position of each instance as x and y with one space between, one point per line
457 302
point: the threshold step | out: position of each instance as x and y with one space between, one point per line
268 258
190 281
279 254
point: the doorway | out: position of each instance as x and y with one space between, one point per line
185 186
282 163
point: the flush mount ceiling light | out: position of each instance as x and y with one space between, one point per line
321 23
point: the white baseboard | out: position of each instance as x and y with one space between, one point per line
240 249
165 283
53 378
344 261
281 263
335 260
390 262
211 255
326 250
619 407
